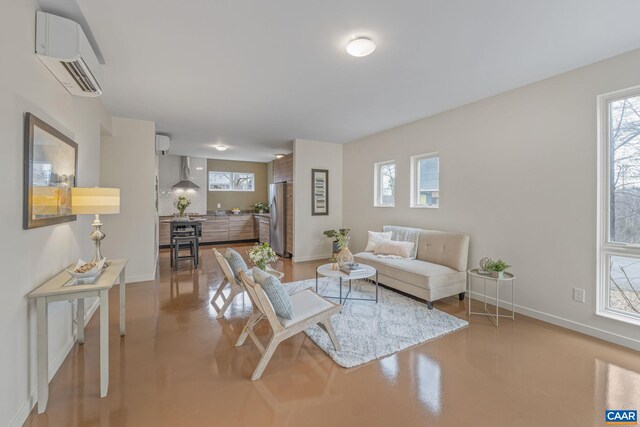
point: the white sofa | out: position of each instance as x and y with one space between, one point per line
438 271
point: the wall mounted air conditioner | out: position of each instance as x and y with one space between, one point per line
62 46
163 143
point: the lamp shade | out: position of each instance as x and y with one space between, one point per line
89 201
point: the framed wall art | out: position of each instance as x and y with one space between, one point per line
50 169
319 192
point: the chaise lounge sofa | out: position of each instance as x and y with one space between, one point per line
438 270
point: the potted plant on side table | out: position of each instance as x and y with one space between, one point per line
497 268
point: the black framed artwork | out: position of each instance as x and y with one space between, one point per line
319 192
50 171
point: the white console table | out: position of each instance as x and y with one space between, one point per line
59 288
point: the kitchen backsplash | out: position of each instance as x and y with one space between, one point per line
169 174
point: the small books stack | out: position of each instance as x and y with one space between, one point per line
351 268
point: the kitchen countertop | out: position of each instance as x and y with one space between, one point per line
208 214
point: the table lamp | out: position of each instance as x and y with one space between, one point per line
95 201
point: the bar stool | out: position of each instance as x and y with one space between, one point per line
184 229
191 242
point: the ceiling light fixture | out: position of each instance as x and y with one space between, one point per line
279 156
221 147
362 46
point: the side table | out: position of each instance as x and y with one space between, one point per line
506 278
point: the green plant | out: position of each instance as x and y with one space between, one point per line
341 236
261 207
498 266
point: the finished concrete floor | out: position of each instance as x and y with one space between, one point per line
177 366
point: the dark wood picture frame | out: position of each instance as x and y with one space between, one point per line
61 190
319 192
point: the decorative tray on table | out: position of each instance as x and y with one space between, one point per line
86 272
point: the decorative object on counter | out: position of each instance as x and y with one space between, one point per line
235 211
262 254
261 207
50 169
182 203
95 201
340 238
483 265
86 272
319 192
497 268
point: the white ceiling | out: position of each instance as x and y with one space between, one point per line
256 74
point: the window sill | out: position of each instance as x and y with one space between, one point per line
633 320
424 207
384 206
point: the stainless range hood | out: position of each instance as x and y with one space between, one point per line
185 182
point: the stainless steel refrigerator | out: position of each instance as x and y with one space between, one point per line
277 208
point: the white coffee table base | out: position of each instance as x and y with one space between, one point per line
325 270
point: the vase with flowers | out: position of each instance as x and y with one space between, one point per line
182 203
262 254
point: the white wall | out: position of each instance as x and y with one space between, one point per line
309 242
29 257
169 174
518 173
129 163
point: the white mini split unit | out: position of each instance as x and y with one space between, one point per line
62 46
163 143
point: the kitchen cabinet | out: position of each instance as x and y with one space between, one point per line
263 225
217 228
289 222
283 169
241 227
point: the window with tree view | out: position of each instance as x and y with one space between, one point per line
231 181
385 184
619 281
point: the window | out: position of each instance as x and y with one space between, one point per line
425 181
619 210
385 184
231 181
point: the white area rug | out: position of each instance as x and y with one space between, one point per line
368 331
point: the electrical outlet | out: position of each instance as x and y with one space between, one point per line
578 294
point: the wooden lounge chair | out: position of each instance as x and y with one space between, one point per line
229 279
309 309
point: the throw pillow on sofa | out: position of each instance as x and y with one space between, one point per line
236 262
394 249
405 234
276 293
376 237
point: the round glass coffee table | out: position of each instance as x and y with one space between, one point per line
325 270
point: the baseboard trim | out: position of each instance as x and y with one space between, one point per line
565 323
141 278
311 258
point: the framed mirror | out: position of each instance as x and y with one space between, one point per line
50 170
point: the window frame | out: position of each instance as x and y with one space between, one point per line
377 184
415 185
233 180
604 247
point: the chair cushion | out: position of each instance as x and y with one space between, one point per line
405 234
306 304
376 237
276 293
419 273
236 262
394 249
